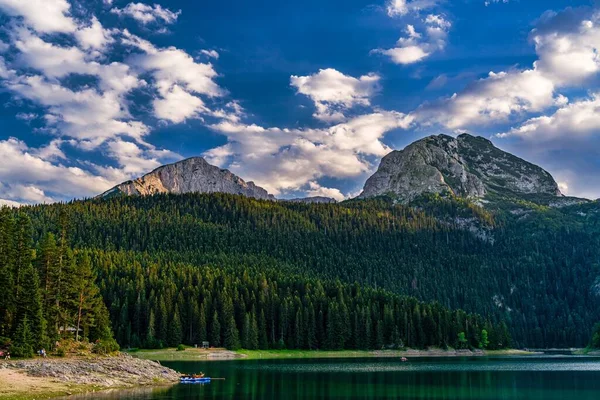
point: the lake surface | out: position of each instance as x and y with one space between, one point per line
531 378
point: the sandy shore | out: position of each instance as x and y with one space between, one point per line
46 378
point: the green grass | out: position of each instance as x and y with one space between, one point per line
193 354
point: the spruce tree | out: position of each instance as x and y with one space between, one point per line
231 341
175 335
24 342
215 331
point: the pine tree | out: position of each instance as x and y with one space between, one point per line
215 331
24 341
30 306
251 333
86 296
202 328
7 300
263 341
23 254
175 330
231 340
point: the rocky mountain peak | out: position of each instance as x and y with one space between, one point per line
192 175
468 166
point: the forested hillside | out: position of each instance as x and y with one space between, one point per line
46 291
197 256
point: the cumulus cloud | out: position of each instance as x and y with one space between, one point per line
40 177
10 203
333 92
45 16
566 44
177 105
92 117
316 190
575 121
490 99
395 8
146 14
288 159
135 160
178 79
94 36
414 47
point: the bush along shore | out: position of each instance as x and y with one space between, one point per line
51 377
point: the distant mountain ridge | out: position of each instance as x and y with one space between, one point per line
192 175
467 166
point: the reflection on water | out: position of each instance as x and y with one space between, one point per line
550 378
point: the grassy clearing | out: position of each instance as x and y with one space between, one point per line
193 354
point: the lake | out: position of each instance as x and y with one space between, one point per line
531 378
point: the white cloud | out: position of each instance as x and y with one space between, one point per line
135 161
45 16
210 53
567 45
397 8
333 92
573 122
316 190
10 203
177 105
413 47
31 184
288 159
146 14
497 97
26 116
177 77
94 36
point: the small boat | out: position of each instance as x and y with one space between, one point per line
191 379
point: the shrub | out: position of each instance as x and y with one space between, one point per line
180 347
60 352
4 341
25 351
106 346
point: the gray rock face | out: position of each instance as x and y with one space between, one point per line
313 200
192 175
467 166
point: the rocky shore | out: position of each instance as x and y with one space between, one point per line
44 378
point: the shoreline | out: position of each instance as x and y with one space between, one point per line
54 377
193 354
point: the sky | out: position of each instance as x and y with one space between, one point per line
303 98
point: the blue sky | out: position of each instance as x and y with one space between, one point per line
304 98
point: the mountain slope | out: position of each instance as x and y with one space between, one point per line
540 273
467 166
192 175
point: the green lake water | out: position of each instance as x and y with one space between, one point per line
530 378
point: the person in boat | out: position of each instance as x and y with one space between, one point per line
194 376
404 359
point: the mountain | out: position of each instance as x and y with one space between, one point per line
313 200
192 175
466 166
